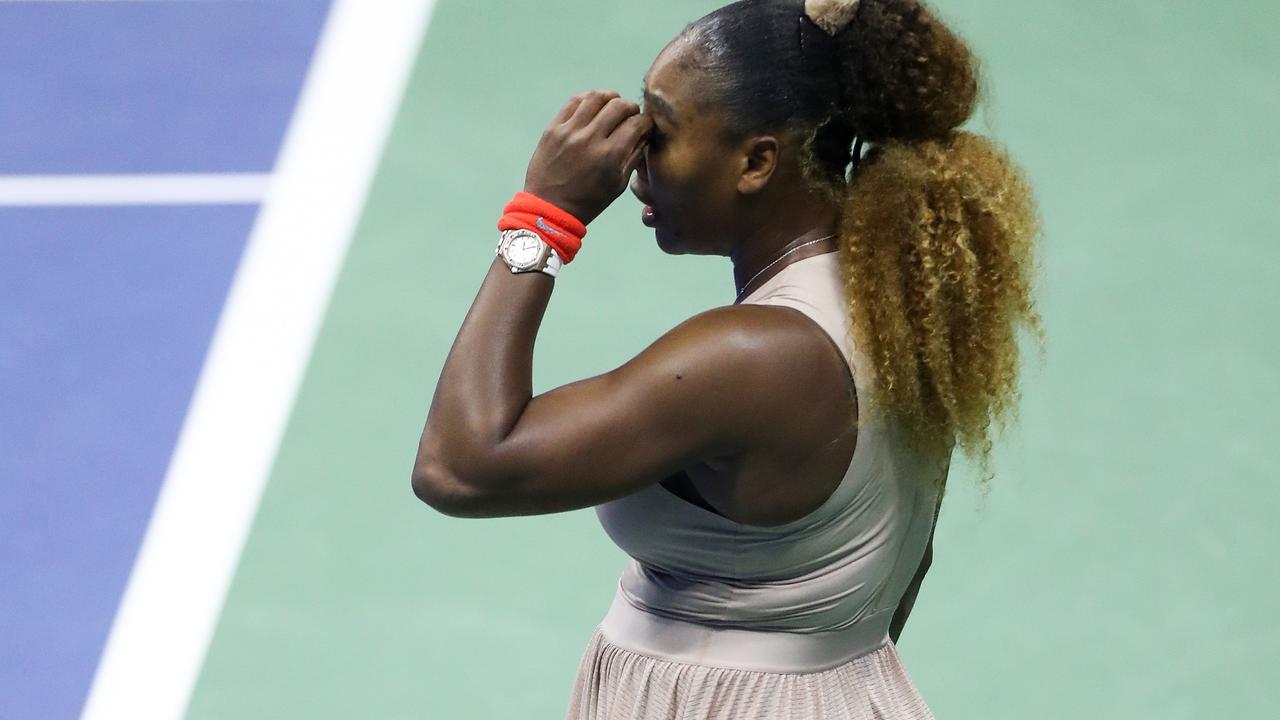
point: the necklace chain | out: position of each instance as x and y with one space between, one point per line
775 262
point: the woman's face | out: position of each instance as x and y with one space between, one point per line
688 175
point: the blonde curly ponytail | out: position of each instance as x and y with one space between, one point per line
937 241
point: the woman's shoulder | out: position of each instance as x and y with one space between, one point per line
775 331
781 354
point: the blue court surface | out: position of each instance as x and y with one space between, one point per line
108 311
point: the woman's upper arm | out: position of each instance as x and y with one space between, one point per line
703 389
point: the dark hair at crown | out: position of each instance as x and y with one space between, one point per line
895 72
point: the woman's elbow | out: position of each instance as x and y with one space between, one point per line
436 486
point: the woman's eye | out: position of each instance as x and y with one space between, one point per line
655 137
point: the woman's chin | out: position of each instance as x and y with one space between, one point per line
665 241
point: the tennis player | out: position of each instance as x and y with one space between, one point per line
774 467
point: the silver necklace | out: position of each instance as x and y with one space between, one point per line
775 262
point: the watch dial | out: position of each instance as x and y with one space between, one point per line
524 250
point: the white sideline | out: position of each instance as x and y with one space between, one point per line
255 364
142 189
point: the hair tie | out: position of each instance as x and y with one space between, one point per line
831 15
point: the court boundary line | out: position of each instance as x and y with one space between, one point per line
260 351
134 189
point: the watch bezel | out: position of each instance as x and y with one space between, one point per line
509 236
547 262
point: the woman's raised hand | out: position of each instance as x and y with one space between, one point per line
585 157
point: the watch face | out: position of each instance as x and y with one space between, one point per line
524 249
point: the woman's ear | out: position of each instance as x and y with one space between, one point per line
759 160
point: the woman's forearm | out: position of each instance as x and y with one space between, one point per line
487 379
580 166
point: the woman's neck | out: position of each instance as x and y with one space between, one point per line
775 235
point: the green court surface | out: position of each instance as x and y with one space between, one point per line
1123 565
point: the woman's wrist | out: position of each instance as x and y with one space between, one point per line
553 198
557 227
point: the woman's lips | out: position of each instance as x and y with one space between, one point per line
649 216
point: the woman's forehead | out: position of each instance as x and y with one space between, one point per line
671 76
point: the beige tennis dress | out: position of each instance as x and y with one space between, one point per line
717 620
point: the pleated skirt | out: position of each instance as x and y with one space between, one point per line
624 683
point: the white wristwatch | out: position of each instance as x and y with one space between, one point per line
526 251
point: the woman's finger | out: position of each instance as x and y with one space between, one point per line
567 111
611 116
631 133
633 161
591 103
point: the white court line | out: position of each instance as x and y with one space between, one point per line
255 364
150 189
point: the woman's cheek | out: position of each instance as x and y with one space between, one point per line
673 174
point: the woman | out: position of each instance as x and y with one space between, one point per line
774 467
